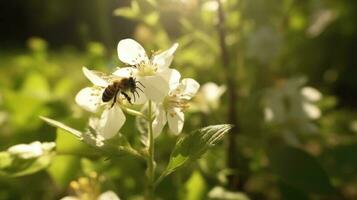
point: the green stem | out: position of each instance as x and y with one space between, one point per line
133 112
150 159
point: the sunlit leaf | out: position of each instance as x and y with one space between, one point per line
300 170
192 146
195 187
58 124
36 86
128 12
68 144
63 169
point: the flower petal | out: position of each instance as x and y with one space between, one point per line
164 59
94 77
125 72
70 198
156 87
212 92
311 94
312 111
27 151
159 121
190 87
172 76
89 98
131 52
108 195
175 118
110 122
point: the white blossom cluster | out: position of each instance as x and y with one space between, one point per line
158 84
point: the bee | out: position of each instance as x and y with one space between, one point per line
121 86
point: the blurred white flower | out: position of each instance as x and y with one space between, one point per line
268 114
208 97
353 125
288 101
210 6
32 150
108 195
86 188
171 109
312 111
311 94
221 193
153 73
90 99
320 21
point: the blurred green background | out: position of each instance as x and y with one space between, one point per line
286 144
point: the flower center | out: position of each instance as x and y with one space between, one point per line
176 101
146 69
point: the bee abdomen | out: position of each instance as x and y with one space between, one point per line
109 93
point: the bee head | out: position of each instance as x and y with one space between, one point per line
131 84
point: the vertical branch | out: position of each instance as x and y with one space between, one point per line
232 96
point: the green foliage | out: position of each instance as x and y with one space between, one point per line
192 146
195 188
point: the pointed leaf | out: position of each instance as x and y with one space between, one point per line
58 124
192 146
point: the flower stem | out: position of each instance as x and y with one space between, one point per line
133 112
150 159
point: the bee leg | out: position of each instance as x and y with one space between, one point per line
140 89
140 83
126 96
115 99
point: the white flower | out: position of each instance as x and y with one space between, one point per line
311 95
171 109
153 73
32 150
90 99
108 195
208 97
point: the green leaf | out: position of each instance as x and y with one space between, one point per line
128 12
68 144
192 146
36 86
340 161
300 170
63 169
58 124
5 160
290 193
195 187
